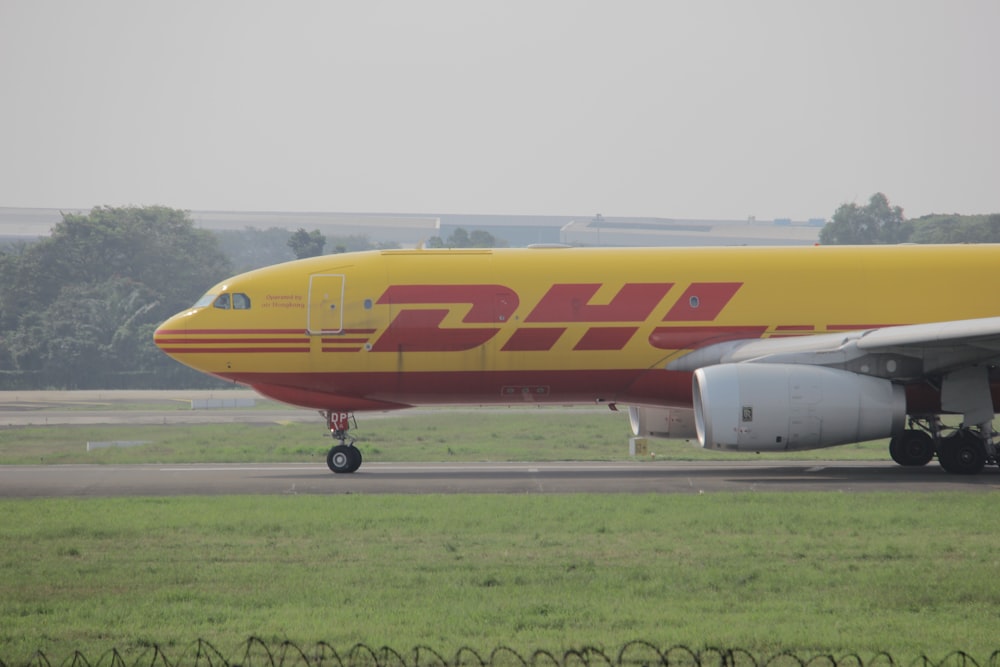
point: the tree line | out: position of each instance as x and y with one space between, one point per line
78 308
879 222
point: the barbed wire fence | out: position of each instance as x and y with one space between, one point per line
257 652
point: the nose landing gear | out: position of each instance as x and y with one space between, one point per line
345 457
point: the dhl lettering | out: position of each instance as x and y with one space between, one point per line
606 338
570 303
533 340
420 330
490 303
702 302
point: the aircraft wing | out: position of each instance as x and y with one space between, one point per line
901 353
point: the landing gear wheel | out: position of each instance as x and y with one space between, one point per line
343 458
962 454
912 448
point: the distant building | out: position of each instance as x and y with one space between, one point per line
610 231
411 230
515 230
404 229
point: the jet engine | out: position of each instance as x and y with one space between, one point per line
777 407
661 422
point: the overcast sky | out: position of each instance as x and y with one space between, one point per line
707 109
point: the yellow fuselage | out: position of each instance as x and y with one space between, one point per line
385 329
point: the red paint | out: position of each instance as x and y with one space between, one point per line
490 303
702 302
688 338
316 399
421 331
338 421
388 391
569 303
533 340
159 332
233 350
792 330
606 338
244 339
344 344
349 391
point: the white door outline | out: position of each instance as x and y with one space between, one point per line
326 304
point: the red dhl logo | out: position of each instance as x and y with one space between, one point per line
615 323
417 326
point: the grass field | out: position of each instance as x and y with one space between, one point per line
553 434
813 573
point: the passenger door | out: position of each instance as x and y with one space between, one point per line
326 304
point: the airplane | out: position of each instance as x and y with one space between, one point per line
755 349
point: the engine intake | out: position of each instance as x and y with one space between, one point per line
777 407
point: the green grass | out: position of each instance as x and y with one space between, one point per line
479 435
812 573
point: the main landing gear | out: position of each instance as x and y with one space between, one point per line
345 457
961 451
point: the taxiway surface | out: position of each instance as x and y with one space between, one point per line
21 409
410 478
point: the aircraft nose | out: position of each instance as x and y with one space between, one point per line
171 333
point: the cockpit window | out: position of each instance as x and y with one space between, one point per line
225 301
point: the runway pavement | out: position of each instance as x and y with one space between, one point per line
19 409
68 408
409 478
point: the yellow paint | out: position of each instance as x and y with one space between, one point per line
818 287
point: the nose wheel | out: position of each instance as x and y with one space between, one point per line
344 457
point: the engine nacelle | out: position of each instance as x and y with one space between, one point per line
777 407
661 422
